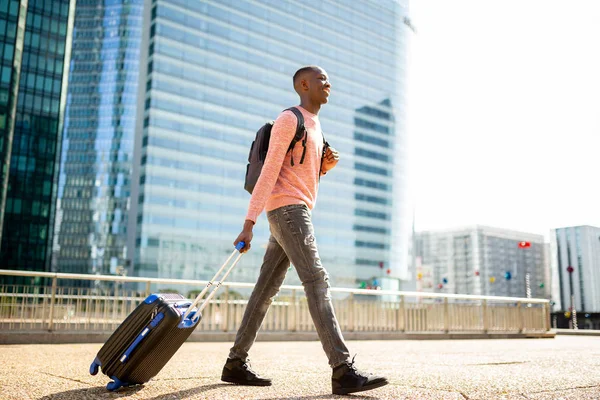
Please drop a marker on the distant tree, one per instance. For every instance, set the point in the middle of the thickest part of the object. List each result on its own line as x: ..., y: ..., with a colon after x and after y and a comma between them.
x: 168, y: 290
x: 233, y: 295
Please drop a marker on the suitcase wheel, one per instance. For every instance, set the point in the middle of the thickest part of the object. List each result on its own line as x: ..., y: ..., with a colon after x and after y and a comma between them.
x: 95, y: 365
x: 112, y: 386
x: 116, y: 384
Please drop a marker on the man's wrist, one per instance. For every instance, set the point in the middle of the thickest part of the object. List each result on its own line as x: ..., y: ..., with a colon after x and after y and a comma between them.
x: 248, y: 225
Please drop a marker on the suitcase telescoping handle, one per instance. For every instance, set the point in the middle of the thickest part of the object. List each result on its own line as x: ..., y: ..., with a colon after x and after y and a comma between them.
x: 239, y: 247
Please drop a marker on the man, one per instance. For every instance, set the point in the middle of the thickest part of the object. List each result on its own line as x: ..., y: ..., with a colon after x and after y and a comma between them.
x: 288, y: 192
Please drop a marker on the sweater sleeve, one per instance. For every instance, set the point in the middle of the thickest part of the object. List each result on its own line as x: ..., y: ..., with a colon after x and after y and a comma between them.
x: 282, y: 133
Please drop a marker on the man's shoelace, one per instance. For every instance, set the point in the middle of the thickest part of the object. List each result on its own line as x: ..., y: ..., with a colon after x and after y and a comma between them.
x: 248, y: 367
x: 353, y: 368
x: 351, y: 364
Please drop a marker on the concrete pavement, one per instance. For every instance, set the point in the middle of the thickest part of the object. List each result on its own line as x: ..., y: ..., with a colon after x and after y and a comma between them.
x: 567, y: 367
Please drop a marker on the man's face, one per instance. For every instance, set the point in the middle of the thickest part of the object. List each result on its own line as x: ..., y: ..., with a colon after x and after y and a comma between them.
x: 319, y: 86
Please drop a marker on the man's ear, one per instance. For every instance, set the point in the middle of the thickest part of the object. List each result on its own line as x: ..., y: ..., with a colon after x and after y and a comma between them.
x: 304, y: 84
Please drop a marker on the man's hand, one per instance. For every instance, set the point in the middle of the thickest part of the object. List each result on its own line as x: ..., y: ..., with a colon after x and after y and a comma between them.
x: 330, y: 160
x: 245, y: 236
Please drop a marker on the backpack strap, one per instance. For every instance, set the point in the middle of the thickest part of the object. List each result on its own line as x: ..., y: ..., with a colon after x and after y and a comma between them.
x: 325, y: 146
x: 300, y: 134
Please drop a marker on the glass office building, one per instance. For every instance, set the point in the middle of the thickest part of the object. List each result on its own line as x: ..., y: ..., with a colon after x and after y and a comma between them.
x: 575, y: 268
x: 36, y: 48
x: 215, y: 71
x: 96, y: 163
x: 484, y: 261
x: 11, y: 50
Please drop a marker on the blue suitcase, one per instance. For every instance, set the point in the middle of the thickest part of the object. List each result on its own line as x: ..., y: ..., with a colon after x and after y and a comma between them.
x: 148, y: 338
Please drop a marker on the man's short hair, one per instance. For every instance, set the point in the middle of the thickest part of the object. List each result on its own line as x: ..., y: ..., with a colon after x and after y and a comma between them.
x: 303, y: 70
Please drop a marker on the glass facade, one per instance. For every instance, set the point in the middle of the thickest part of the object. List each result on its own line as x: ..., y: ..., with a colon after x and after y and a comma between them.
x: 12, y: 22
x: 96, y: 163
x: 31, y: 184
x: 215, y: 72
x: 576, y: 247
x: 503, y: 256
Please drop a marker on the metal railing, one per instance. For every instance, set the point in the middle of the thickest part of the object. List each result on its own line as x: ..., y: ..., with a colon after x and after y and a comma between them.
x: 59, y: 306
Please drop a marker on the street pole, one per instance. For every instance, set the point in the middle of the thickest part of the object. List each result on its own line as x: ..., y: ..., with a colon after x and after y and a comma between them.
x: 528, y: 287
x: 573, y: 312
x: 522, y: 260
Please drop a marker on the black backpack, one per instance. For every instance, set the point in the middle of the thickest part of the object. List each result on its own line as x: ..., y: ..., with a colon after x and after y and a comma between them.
x: 260, y: 146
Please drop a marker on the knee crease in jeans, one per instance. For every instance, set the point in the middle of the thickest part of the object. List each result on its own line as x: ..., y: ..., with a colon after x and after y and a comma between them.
x: 309, y: 239
x: 327, y: 293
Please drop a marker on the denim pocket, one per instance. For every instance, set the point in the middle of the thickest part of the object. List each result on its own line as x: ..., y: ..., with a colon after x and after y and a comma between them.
x: 297, y: 219
x: 272, y: 217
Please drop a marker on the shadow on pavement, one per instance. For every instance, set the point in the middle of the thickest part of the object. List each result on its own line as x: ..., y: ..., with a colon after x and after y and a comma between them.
x: 326, y: 396
x: 98, y: 392
x: 182, y: 394
x: 199, y: 389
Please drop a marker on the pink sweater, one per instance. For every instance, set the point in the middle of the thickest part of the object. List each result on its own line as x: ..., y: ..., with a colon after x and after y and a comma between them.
x: 279, y: 183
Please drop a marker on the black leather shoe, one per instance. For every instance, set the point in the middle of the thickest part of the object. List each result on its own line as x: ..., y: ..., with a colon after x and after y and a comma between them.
x: 239, y: 371
x: 347, y: 379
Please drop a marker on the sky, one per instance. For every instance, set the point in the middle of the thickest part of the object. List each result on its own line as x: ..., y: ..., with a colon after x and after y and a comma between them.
x: 504, y: 113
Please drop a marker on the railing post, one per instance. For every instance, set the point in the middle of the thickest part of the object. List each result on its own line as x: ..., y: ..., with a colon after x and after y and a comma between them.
x: 52, y: 298
x: 115, y: 304
x: 485, y: 316
x: 521, y: 316
x: 293, y: 319
x: 400, y: 317
x: 148, y: 289
x: 446, y: 316
x: 351, y: 322
x: 225, y: 308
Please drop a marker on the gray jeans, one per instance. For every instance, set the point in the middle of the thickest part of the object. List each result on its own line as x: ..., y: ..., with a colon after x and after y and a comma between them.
x: 292, y: 239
